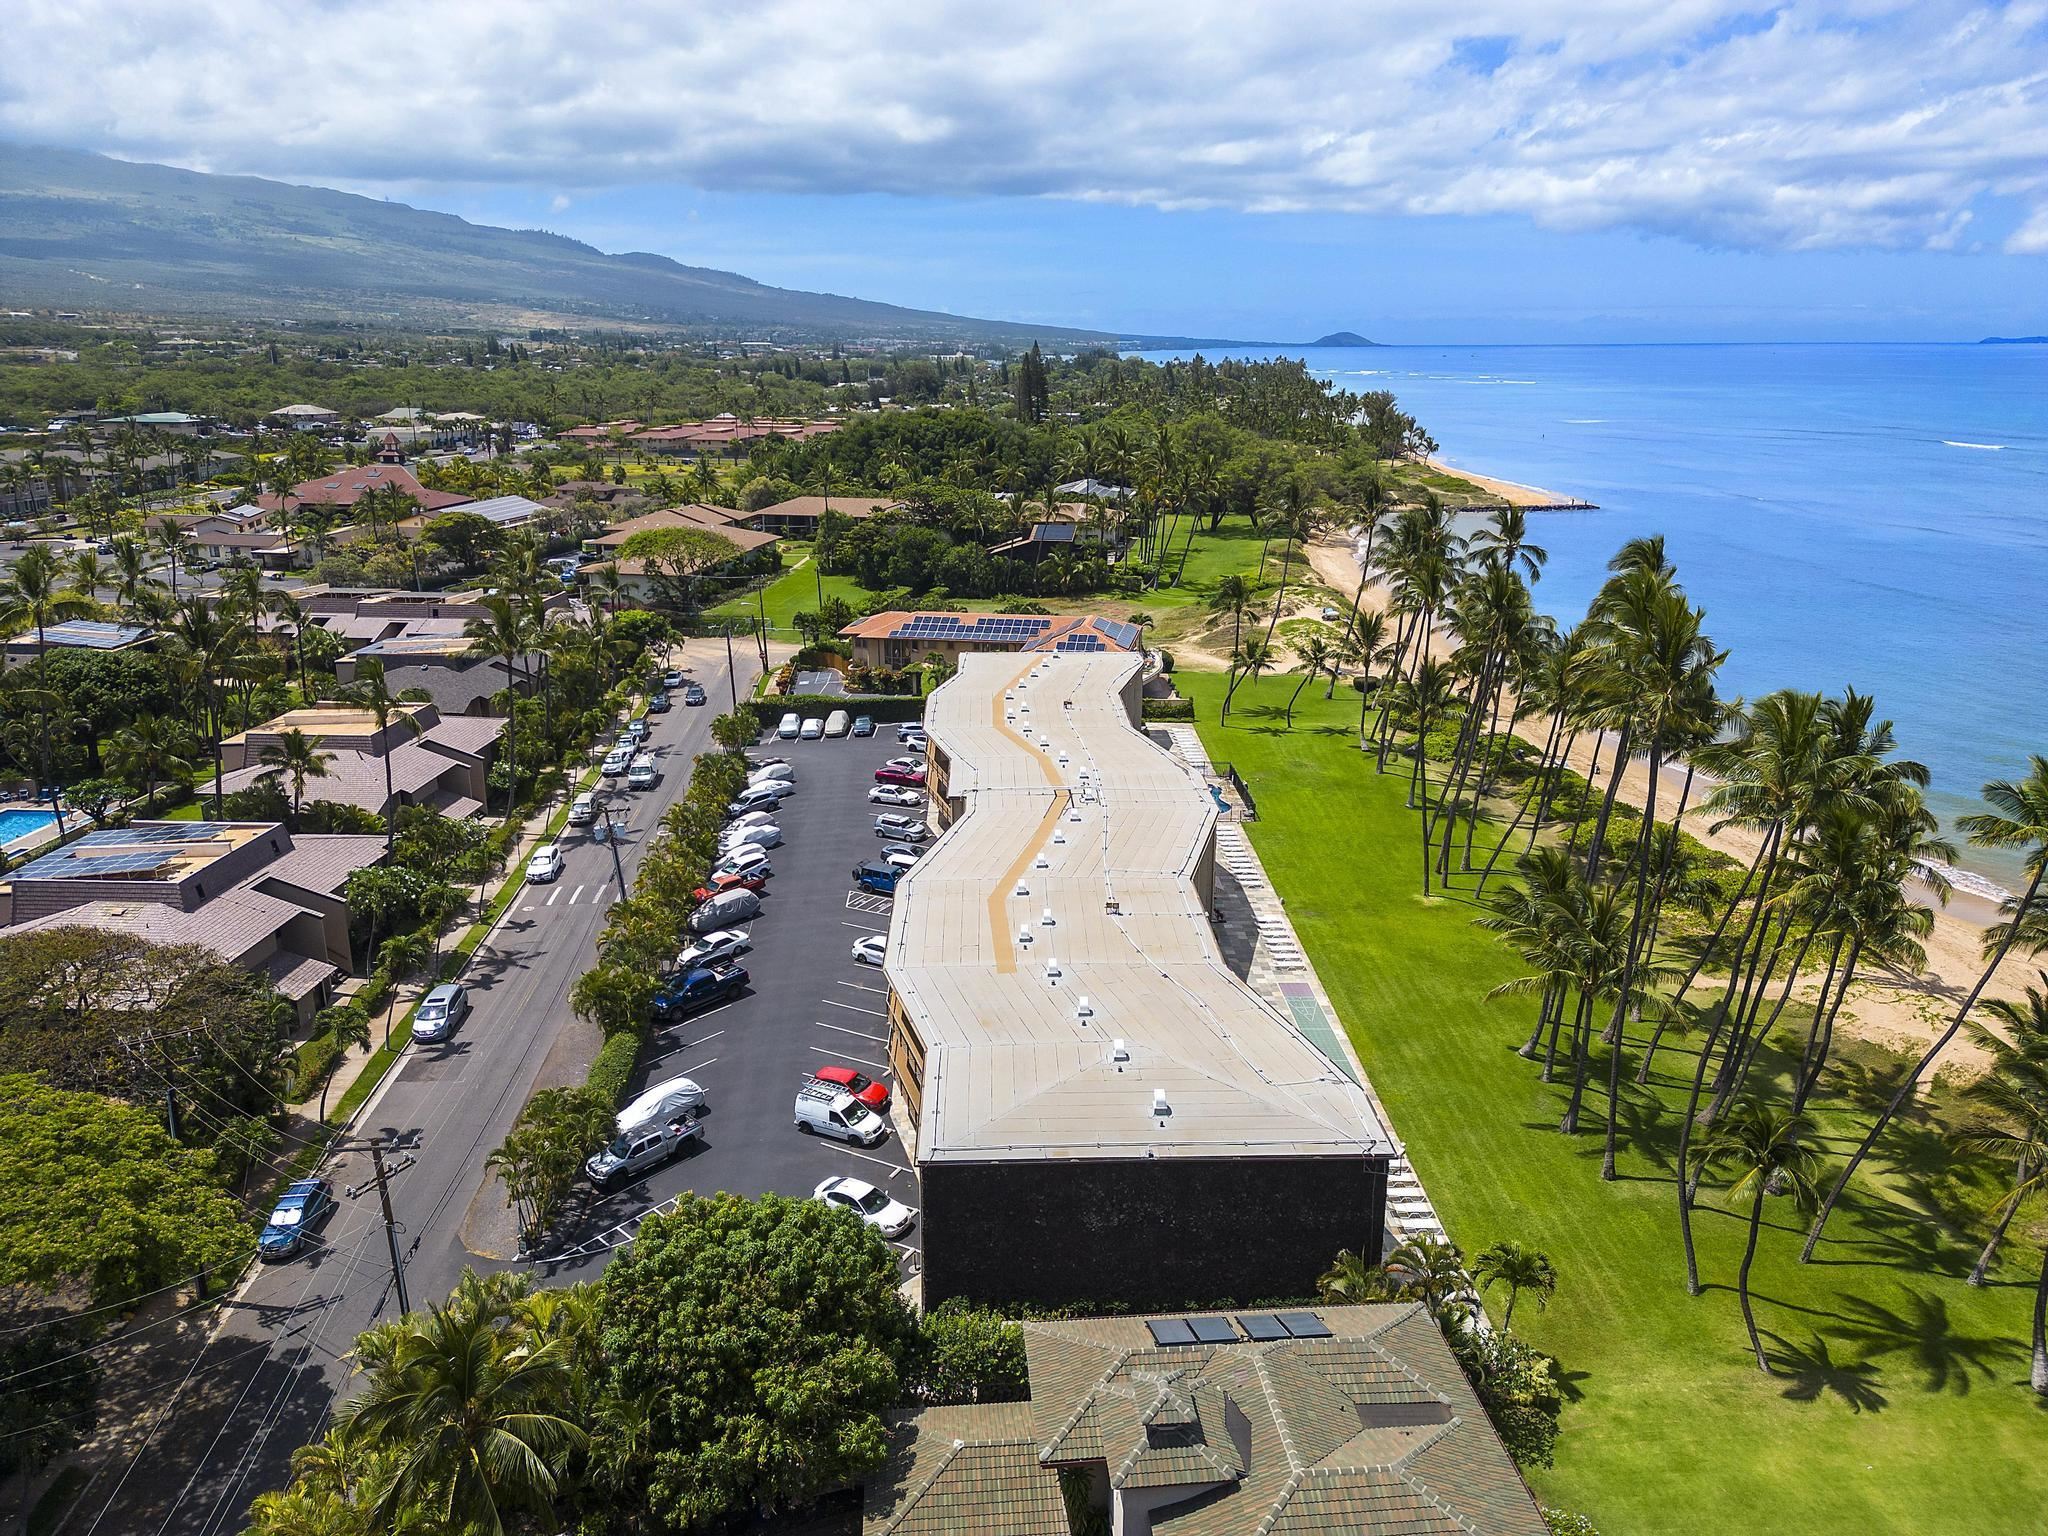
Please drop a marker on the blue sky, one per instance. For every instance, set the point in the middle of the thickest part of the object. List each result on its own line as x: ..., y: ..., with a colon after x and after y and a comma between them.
x: 1499, y: 170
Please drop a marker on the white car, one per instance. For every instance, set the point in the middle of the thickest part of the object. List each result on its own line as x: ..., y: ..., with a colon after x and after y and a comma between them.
x: 742, y: 856
x: 769, y: 773
x: 907, y: 764
x: 642, y: 772
x: 726, y: 944
x: 545, y: 865
x: 899, y: 856
x: 583, y: 810
x: 872, y: 950
x: 889, y: 1217
x: 909, y: 828
x: 761, y: 834
x: 616, y: 761
x: 791, y: 724
x: 749, y: 819
x: 894, y: 794
x: 909, y: 728
x: 814, y: 728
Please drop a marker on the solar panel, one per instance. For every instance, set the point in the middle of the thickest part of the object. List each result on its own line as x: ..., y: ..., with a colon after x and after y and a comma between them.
x: 1213, y: 1330
x: 1260, y: 1327
x: 1170, y: 1330
x: 1304, y: 1325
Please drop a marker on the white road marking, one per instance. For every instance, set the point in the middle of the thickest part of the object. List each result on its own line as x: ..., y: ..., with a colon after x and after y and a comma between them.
x: 687, y: 1071
x: 843, y: 1056
x: 598, y: 894
x: 705, y: 1041
x: 896, y: 1169
x: 833, y: 1002
x: 863, y: 987
x: 863, y: 927
x: 857, y: 1034
x: 577, y: 897
x: 554, y: 896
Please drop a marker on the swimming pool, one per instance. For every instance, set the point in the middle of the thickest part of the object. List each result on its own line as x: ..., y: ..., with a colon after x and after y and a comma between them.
x: 19, y: 824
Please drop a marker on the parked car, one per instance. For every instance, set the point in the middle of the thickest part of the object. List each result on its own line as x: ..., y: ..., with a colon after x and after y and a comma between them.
x: 863, y: 725
x: 700, y: 987
x: 813, y: 728
x: 615, y: 761
x: 767, y: 771
x: 735, y: 880
x: 545, y: 865
x: 636, y: 729
x: 725, y: 910
x: 664, y: 1101
x: 894, y: 794
x: 887, y: 1216
x: 743, y: 856
x: 440, y: 1011
x: 749, y: 819
x: 760, y: 834
x: 836, y: 723
x: 726, y: 944
x: 672, y: 678
x: 301, y: 1208
x: 871, y: 949
x: 641, y: 1150
x: 761, y: 797
x: 642, y: 772
x: 899, y: 855
x: 909, y: 828
x: 659, y: 704
x: 907, y: 764
x: 871, y: 1093
x: 693, y: 695
x: 758, y: 760
x: 877, y: 876
x: 909, y: 728
x: 890, y: 774
x: 824, y: 1110
x: 583, y: 810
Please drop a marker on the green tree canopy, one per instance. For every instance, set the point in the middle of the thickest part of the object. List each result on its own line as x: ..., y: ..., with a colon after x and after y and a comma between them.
x: 770, y: 1330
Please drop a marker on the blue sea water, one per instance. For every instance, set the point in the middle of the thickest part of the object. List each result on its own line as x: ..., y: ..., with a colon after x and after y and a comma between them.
x: 1874, y: 516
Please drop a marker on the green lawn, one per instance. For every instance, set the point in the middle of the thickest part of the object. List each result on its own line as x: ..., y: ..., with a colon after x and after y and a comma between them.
x: 792, y: 592
x: 1906, y: 1407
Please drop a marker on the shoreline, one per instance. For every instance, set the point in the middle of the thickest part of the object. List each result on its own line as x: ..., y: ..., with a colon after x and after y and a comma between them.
x: 1513, y: 492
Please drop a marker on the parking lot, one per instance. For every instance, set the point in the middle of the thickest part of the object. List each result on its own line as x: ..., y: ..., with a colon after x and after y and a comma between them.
x: 809, y: 1004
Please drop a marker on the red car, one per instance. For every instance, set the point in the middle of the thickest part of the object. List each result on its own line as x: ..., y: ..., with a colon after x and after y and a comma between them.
x: 729, y: 881
x: 871, y: 1093
x: 899, y: 776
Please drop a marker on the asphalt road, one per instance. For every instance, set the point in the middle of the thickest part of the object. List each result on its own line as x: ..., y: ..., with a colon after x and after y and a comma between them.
x: 809, y: 1003
x: 269, y: 1377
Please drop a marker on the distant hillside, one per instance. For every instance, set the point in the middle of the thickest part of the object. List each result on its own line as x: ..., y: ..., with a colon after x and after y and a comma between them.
x: 2012, y: 341
x: 1342, y: 339
x: 83, y: 231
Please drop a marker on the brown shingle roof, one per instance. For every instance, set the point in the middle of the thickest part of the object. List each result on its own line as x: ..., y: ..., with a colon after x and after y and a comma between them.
x: 953, y: 1471
x: 323, y: 861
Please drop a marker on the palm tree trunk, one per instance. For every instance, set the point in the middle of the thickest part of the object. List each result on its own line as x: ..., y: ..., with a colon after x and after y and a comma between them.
x: 1827, y: 1030
x: 1912, y: 1081
x: 1528, y: 802
x: 1983, y: 1265
x: 2039, y: 1377
x: 1712, y: 943
x: 1756, y: 1217
x: 1580, y: 1022
x: 1621, y: 755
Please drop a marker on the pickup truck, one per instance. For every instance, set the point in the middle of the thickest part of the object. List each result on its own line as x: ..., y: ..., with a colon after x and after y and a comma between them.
x: 698, y: 988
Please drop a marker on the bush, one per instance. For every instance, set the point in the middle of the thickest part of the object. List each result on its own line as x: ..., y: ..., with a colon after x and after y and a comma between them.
x: 1165, y: 661
x: 313, y: 1061
x: 1168, y: 709
x: 769, y: 711
x: 966, y: 1354
x: 612, y: 1071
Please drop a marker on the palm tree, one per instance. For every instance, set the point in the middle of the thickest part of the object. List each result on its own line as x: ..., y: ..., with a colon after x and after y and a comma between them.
x: 174, y: 543
x: 403, y: 956
x: 1233, y: 595
x: 2012, y: 1099
x: 88, y: 575
x: 472, y: 1410
x: 371, y: 692
x: 1351, y: 1282
x: 1431, y: 1270
x: 1246, y: 663
x: 2018, y: 819
x: 1311, y: 658
x: 501, y: 631
x: 1296, y: 521
x: 131, y: 570
x: 31, y: 598
x: 1519, y: 1268
x: 1764, y: 1150
x: 296, y: 757
x: 148, y: 751
x: 2025, y: 1041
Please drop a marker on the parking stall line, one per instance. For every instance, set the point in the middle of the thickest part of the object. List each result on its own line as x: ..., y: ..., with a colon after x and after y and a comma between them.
x: 863, y: 927
x: 896, y: 1170
x: 833, y: 1002
x: 858, y: 1034
x: 700, y: 1066
x: 863, y: 987
x: 844, y: 1056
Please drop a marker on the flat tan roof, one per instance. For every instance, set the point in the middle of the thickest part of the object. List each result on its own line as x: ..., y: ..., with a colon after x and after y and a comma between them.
x: 1068, y: 806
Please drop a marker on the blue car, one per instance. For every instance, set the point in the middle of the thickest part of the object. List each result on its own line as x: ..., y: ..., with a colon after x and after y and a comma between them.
x: 302, y: 1208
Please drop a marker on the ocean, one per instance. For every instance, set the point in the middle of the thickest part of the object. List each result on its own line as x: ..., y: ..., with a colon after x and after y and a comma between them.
x: 1871, y: 516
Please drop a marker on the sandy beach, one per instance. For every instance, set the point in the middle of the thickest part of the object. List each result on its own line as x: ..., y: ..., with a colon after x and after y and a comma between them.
x: 1901, y: 1012
x: 1509, y: 491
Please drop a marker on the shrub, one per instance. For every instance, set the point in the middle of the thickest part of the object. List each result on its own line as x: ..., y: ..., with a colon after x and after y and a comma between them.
x: 612, y: 1071
x: 1168, y: 709
x: 966, y: 1354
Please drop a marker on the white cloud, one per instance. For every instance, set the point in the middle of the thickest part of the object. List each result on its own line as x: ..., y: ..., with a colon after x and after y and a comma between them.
x: 1824, y: 124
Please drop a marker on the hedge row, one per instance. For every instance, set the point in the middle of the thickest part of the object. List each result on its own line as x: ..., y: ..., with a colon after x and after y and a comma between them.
x: 1169, y: 709
x: 885, y: 708
x: 612, y: 1072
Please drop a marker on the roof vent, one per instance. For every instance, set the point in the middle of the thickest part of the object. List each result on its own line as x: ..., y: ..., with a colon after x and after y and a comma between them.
x: 1052, y: 966
x: 1023, y: 935
x: 1074, y: 815
x: 1046, y: 919
x: 1059, y: 837
x: 1084, y: 1009
x: 1040, y: 862
x: 1118, y: 1051
x: 1159, y: 1104
x: 1023, y: 888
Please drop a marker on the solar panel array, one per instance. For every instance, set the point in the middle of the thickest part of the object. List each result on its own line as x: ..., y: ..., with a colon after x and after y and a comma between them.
x: 946, y: 626
x: 93, y: 634
x: 1125, y: 635
x: 116, y: 851
x: 1259, y: 1328
x: 1081, y: 642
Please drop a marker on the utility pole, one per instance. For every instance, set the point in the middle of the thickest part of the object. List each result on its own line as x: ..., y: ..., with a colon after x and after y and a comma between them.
x: 137, y: 1049
x: 611, y: 836
x: 732, y: 677
x: 381, y: 1182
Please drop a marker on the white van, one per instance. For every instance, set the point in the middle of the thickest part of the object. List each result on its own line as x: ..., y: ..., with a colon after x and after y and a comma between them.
x: 642, y: 772
x: 837, y: 723
x: 791, y: 724
x: 583, y: 810
x: 826, y: 1109
x: 769, y: 771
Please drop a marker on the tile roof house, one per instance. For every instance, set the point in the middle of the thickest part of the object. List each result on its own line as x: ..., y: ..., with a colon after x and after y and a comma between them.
x: 343, y: 488
x: 251, y: 892
x: 637, y: 580
x: 81, y: 635
x: 1352, y: 1420
x: 799, y: 516
x: 898, y: 639
x: 433, y: 761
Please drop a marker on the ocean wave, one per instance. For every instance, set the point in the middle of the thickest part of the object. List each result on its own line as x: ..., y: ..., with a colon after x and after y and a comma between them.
x: 1949, y: 442
x: 1970, y: 883
x: 1584, y: 421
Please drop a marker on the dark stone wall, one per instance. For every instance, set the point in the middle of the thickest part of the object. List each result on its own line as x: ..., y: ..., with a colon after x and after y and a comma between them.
x: 1156, y: 1234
